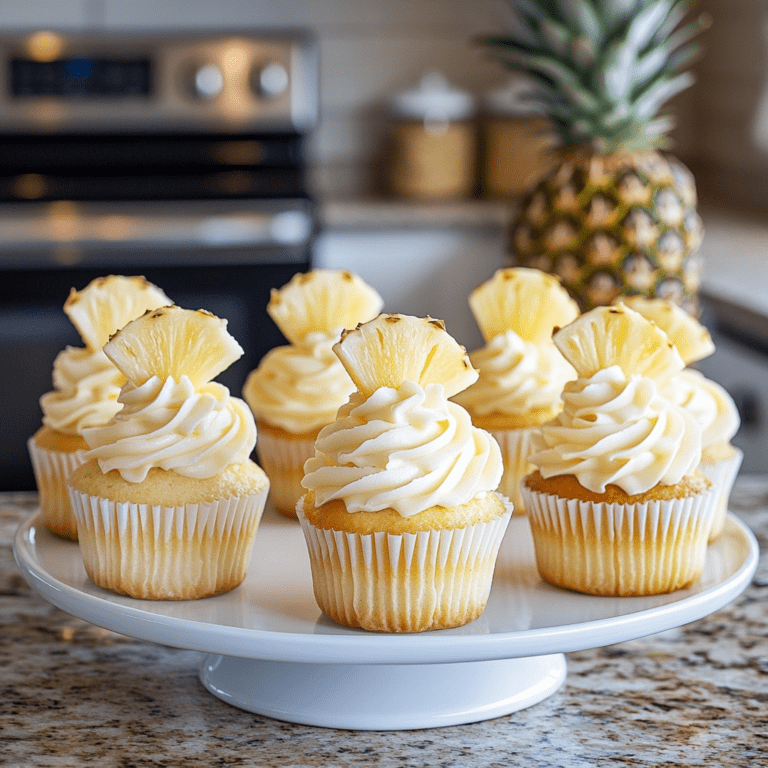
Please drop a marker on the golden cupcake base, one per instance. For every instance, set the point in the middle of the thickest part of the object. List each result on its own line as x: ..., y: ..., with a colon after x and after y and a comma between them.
x: 167, y: 553
x: 404, y: 582
x: 52, y: 468
x: 620, y: 549
x: 282, y: 456
x: 515, y: 447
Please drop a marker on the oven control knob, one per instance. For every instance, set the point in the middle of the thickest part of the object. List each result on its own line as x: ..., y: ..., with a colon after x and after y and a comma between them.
x: 207, y: 81
x: 269, y: 81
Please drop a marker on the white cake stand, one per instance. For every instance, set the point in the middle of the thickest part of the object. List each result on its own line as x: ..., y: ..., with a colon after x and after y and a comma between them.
x: 271, y: 651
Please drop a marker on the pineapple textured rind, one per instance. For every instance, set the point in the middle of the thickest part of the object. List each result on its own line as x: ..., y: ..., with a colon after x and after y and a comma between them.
x: 322, y: 301
x: 394, y: 348
x: 173, y: 342
x: 108, y: 303
x: 607, y: 336
x: 692, y: 339
x: 527, y: 301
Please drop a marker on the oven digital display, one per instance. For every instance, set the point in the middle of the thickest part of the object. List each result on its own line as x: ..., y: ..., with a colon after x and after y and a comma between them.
x: 81, y: 77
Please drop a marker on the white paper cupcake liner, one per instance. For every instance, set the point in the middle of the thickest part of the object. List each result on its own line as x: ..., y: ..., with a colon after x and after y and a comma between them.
x: 722, y: 475
x: 515, y: 447
x: 282, y: 459
x: 620, y: 549
x: 52, y: 469
x: 167, y: 553
x: 408, y: 582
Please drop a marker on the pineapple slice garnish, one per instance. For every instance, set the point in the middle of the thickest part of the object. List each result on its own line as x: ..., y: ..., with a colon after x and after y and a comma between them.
x: 173, y: 342
x: 607, y: 336
x: 691, y: 338
x: 527, y: 301
x: 324, y: 301
x: 392, y: 348
x: 106, y: 304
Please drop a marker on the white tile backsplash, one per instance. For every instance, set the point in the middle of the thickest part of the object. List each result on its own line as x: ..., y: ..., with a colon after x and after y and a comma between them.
x: 481, y: 16
x: 204, y: 14
x: 346, y: 17
x: 387, y: 16
x: 735, y: 45
x: 339, y: 136
x: 357, y: 71
x: 67, y: 15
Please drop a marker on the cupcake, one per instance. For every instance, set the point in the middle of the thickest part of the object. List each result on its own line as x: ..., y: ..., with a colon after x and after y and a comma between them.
x: 704, y: 399
x: 297, y: 389
x: 521, y: 372
x: 168, y: 501
x: 86, y: 385
x: 616, y: 505
x: 401, y: 519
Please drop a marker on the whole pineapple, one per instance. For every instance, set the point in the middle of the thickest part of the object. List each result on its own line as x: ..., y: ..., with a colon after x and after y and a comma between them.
x: 616, y: 217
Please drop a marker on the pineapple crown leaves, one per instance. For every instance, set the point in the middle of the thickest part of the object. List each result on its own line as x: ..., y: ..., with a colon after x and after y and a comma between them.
x: 603, y: 68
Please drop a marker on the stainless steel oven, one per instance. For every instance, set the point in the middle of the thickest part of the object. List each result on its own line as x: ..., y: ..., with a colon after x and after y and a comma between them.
x: 178, y: 157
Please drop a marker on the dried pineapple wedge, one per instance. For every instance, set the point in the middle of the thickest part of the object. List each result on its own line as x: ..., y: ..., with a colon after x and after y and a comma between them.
x: 392, y: 348
x: 171, y: 341
x: 106, y: 304
x: 607, y: 336
x: 691, y: 338
x: 527, y: 301
x: 323, y: 300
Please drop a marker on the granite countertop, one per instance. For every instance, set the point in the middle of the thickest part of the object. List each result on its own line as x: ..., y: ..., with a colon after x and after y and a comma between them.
x: 74, y: 694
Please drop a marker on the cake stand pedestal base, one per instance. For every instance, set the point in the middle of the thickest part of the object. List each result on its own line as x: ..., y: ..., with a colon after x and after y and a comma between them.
x: 383, y: 697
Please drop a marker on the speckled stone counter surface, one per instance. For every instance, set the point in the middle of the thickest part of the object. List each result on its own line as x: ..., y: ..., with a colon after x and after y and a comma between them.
x: 73, y: 694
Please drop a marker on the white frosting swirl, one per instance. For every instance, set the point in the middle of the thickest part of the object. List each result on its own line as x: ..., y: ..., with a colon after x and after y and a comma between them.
x: 516, y: 377
x: 167, y: 424
x: 299, y: 387
x: 86, y: 388
x: 707, y: 402
x: 407, y: 449
x: 618, y: 430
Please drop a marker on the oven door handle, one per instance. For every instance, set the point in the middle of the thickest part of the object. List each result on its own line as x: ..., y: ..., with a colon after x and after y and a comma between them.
x: 68, y: 235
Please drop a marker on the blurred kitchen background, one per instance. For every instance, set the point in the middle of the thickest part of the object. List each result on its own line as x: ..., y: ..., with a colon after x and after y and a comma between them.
x: 423, y: 256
